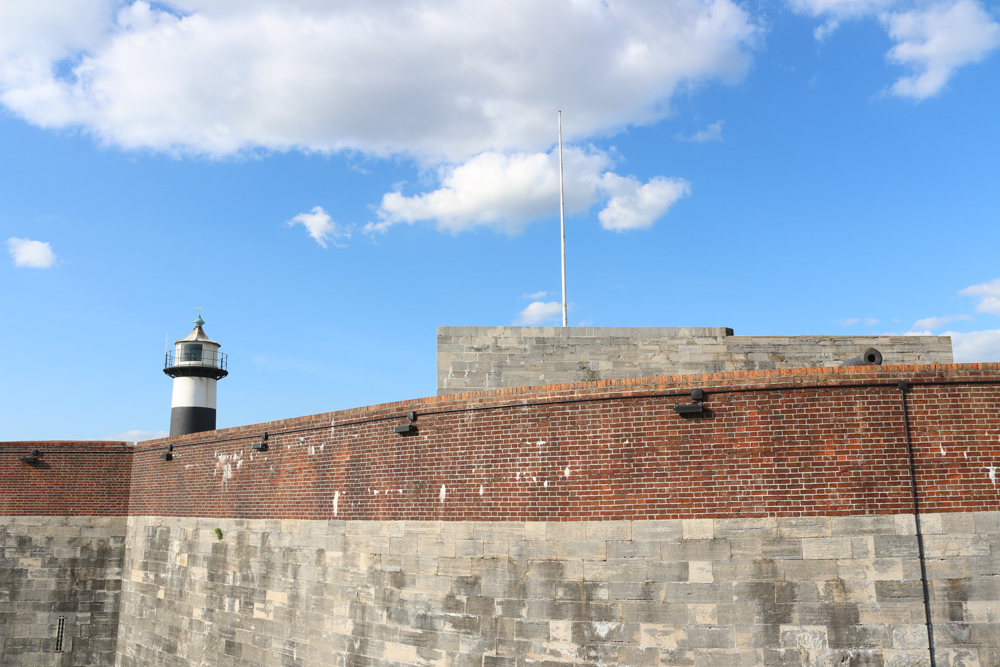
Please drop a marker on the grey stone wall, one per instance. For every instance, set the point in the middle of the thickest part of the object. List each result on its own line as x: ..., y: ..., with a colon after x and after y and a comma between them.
x: 479, y: 358
x: 53, y: 567
x: 824, y: 591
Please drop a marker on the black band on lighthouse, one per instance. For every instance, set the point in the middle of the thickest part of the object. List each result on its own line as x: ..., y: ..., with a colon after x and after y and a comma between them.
x: 189, y: 419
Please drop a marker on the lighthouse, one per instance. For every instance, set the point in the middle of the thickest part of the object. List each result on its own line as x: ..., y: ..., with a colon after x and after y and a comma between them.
x: 196, y: 365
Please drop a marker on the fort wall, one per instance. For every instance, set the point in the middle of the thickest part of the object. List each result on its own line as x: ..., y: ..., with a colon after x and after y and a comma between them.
x: 819, y: 590
x: 479, y: 358
x: 580, y: 524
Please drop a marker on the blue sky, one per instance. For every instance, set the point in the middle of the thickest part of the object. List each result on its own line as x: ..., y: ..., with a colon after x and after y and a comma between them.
x: 331, y: 181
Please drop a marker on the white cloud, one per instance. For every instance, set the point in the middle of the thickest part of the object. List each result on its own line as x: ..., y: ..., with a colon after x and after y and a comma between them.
x: 711, y: 133
x: 137, y: 436
x: 500, y: 191
x: 540, y: 312
x: 870, y: 321
x: 848, y: 321
x: 931, y: 323
x: 837, y: 11
x: 975, y: 346
x: 841, y: 9
x: 637, y: 206
x: 433, y: 80
x: 935, y: 41
x: 505, y: 192
x: 31, y: 254
x: 321, y: 227
x: 989, y: 293
x: 932, y: 38
x: 536, y: 296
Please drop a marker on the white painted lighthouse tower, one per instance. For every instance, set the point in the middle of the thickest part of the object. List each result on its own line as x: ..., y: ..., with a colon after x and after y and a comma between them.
x: 196, y: 365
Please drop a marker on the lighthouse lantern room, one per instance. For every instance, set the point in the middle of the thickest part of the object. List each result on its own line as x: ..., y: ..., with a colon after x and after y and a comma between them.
x: 196, y: 365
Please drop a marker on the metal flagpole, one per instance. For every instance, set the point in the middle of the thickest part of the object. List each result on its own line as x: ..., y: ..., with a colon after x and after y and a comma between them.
x: 562, y: 226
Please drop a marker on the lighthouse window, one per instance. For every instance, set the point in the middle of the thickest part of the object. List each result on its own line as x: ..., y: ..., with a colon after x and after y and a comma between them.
x: 192, y: 353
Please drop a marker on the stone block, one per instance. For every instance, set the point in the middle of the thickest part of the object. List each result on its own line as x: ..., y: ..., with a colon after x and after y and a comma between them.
x: 762, y: 528
x: 895, y: 546
x: 608, y: 530
x: 698, y: 592
x: 688, y: 550
x: 906, y: 658
x: 757, y: 636
x: 810, y: 570
x: 957, y: 657
x: 699, y: 636
x: 658, y: 635
x: 698, y: 529
x: 945, y: 546
x: 756, y: 569
x: 615, y: 571
x: 646, y: 531
x: 986, y: 522
x: 617, y: 549
x: 826, y: 547
x: 584, y: 549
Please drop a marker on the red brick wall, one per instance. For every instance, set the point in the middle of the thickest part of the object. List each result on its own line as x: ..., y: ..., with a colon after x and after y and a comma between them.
x: 790, y: 442
x: 773, y: 444
x: 70, y: 479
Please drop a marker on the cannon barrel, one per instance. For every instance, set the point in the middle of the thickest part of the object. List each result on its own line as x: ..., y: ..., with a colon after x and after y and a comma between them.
x: 870, y: 357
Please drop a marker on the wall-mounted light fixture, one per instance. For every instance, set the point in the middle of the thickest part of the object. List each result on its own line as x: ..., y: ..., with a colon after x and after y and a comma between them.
x: 696, y: 408
x: 410, y: 427
x: 168, y: 455
x: 32, y: 458
x: 262, y: 445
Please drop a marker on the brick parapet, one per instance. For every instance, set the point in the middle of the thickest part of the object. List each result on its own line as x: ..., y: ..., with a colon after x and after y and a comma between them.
x: 787, y: 442
x: 69, y: 479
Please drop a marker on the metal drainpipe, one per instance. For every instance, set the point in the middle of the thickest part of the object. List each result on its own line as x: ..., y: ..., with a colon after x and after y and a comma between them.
x: 916, y: 520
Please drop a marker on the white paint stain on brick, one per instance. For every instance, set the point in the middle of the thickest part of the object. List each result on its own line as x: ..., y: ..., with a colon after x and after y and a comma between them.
x: 224, y: 465
x: 443, y: 493
x: 336, y: 501
x: 480, y: 489
x: 566, y: 473
x: 992, y: 470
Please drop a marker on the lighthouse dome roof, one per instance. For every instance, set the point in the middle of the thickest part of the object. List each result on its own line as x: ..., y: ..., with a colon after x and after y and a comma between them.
x: 197, y: 335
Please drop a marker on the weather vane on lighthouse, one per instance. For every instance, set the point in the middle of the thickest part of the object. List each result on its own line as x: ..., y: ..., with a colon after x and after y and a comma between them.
x: 196, y: 365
